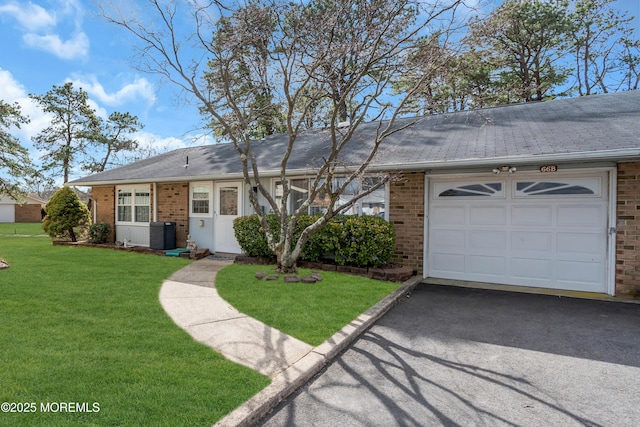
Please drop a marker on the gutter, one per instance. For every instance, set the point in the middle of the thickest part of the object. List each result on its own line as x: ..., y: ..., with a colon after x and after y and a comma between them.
x: 610, y: 155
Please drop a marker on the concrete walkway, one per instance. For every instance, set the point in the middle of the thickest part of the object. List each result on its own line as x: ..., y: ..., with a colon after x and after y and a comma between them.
x: 190, y: 298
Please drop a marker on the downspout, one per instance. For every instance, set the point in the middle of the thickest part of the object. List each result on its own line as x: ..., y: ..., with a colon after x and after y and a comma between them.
x: 155, y: 202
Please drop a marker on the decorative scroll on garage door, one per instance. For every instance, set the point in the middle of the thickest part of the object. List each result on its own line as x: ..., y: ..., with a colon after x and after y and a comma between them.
x: 525, y: 230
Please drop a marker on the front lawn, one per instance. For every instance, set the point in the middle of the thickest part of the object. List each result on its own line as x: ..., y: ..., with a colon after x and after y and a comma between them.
x: 85, y: 325
x: 310, y: 312
x: 22, y: 228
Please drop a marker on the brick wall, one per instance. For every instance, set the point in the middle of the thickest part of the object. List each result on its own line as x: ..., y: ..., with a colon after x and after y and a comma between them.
x: 105, y: 200
x: 173, y: 205
x: 406, y: 213
x: 628, y: 225
x: 28, y: 213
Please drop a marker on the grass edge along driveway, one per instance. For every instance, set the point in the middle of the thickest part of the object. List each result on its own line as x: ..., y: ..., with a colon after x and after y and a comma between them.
x: 85, y: 325
x: 309, y: 312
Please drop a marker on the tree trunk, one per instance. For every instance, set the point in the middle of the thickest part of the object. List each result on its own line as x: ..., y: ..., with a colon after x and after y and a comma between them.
x: 72, y: 234
x: 287, y: 262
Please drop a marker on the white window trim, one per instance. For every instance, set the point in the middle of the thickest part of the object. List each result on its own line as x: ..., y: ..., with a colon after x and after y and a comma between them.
x: 207, y: 184
x: 133, y: 189
x: 590, y: 183
x: 357, y: 206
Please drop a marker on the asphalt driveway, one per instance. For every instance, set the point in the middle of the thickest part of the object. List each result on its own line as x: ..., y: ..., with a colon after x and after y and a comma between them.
x: 454, y: 356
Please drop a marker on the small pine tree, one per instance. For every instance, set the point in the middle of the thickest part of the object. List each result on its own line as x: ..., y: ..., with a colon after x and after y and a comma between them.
x: 64, y: 212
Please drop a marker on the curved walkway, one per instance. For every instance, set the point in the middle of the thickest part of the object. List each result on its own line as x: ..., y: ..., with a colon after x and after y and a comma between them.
x: 190, y: 298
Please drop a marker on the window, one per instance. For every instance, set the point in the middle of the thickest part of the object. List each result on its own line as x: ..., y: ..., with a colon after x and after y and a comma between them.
x: 549, y: 188
x: 133, y: 205
x: 373, y: 204
x: 471, y: 190
x: 229, y: 201
x: 201, y: 200
x: 142, y: 206
x: 125, y: 203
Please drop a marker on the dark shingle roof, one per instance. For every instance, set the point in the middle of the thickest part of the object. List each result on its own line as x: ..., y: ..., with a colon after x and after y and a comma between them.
x: 594, y: 127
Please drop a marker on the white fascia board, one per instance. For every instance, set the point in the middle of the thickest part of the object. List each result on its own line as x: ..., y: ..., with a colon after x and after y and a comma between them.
x: 610, y: 155
x: 618, y: 155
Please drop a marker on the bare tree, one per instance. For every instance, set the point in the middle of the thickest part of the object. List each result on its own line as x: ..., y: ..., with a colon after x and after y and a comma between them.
x: 343, y: 53
x: 603, y: 42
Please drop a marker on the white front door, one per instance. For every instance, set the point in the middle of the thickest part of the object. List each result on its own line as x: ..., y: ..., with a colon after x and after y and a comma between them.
x: 228, y: 206
x: 524, y: 229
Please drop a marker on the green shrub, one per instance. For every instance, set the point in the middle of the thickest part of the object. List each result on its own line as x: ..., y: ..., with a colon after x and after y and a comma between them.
x: 365, y: 241
x: 320, y: 243
x: 65, y: 212
x: 360, y: 241
x: 99, y: 233
x: 251, y: 237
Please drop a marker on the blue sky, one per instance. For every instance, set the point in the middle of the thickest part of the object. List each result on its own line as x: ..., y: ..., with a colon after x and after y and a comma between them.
x: 50, y: 42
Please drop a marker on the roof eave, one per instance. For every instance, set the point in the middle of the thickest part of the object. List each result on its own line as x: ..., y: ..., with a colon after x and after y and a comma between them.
x: 607, y: 155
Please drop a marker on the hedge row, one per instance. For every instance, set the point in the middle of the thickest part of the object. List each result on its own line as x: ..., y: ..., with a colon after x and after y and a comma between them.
x: 365, y: 241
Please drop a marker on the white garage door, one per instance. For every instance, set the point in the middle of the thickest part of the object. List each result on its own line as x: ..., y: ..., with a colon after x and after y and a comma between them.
x: 7, y: 213
x: 525, y: 230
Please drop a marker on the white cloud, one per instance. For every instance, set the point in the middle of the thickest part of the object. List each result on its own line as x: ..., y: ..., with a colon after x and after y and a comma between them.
x: 75, y: 47
x: 10, y: 89
x: 13, y: 91
x: 139, y: 89
x: 31, y: 16
x: 41, y: 27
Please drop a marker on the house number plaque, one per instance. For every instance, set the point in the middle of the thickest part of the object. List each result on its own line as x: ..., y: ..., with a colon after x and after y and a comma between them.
x: 549, y: 168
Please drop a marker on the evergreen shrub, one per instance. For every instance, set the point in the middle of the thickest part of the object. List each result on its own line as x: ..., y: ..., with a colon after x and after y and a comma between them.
x: 359, y: 241
x: 99, y: 233
x: 65, y: 212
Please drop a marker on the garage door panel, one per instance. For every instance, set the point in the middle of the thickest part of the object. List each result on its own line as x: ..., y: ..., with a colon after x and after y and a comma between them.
x: 579, y: 272
x: 484, y: 241
x: 538, y: 216
x: 581, y: 243
x: 449, y: 215
x: 7, y: 213
x: 531, y: 242
x: 449, y: 263
x: 549, y: 233
x: 487, y: 215
x: 488, y: 266
x: 532, y: 269
x: 581, y: 216
x: 449, y: 239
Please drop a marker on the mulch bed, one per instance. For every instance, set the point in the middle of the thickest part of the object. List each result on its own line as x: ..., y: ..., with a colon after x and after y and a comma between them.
x: 391, y: 272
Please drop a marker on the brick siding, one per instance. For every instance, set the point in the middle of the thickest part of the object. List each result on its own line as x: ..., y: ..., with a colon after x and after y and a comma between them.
x: 105, y: 201
x: 173, y: 205
x: 628, y: 225
x: 406, y: 213
x: 28, y: 213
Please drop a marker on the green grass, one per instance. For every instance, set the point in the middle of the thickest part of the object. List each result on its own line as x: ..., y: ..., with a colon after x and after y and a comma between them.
x: 310, y: 312
x: 24, y: 228
x: 85, y: 325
